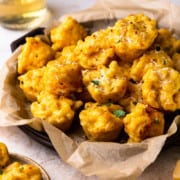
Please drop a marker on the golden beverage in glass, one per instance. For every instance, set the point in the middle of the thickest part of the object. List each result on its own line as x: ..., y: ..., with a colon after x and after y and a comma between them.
x: 22, y: 14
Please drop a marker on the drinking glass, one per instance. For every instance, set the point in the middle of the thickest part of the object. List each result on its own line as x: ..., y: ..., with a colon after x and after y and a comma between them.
x: 23, y: 14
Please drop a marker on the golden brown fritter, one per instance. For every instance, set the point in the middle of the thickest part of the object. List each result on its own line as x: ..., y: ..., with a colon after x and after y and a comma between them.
x: 143, y: 122
x: 58, y: 111
x: 101, y: 122
x: 69, y: 32
x: 106, y: 84
x: 35, y: 54
x: 150, y: 59
x: 161, y: 88
x: 31, y: 83
x: 133, y: 35
x: 62, y: 79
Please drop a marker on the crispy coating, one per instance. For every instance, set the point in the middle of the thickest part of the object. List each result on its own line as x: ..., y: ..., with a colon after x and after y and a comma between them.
x: 106, y: 84
x: 166, y: 41
x: 95, y: 50
x: 161, y: 88
x: 31, y: 83
x: 69, y: 32
x: 17, y: 170
x: 58, y: 111
x: 100, y: 123
x: 143, y: 122
x: 132, y: 35
x: 68, y: 55
x: 132, y: 97
x: 62, y: 79
x: 149, y: 60
x: 35, y: 54
x: 4, y: 155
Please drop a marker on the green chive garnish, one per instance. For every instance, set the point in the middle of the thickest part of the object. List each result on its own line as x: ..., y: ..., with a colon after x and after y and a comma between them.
x: 119, y: 113
x: 96, y: 82
x: 156, y: 120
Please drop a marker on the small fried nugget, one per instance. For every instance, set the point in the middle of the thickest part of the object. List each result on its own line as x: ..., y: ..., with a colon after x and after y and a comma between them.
x: 17, y: 170
x: 69, y: 32
x: 31, y: 83
x: 176, y: 61
x: 95, y: 50
x: 149, y: 60
x: 133, y: 35
x: 102, y: 122
x: 132, y: 97
x: 68, y: 55
x: 58, y: 111
x: 35, y: 54
x: 106, y: 84
x: 161, y: 88
x: 62, y: 79
x: 4, y: 155
x: 143, y: 122
x: 166, y: 41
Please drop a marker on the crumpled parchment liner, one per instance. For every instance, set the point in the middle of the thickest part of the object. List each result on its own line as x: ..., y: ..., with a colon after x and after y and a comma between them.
x: 106, y: 160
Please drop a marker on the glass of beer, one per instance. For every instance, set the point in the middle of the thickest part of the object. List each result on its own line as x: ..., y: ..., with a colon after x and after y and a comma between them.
x: 23, y: 14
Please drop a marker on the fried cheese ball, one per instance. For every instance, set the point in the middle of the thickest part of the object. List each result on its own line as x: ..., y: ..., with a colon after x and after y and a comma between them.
x: 101, y: 122
x: 69, y: 32
x: 31, y: 83
x: 62, y: 79
x: 133, y: 35
x: 4, y: 155
x: 149, y: 60
x: 17, y: 170
x: 161, y: 88
x: 35, y: 54
x: 58, y: 111
x: 166, y: 41
x: 95, y: 50
x: 106, y: 84
x: 143, y: 122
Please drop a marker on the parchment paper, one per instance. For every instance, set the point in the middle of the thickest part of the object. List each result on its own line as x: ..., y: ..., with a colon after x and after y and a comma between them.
x: 106, y: 160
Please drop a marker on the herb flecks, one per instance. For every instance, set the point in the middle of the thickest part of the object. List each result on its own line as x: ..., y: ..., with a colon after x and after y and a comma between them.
x: 96, y: 82
x: 119, y: 113
x: 164, y: 62
x: 156, y: 120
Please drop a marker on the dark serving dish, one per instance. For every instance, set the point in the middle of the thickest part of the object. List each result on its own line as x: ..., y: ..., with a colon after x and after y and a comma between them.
x: 43, y: 138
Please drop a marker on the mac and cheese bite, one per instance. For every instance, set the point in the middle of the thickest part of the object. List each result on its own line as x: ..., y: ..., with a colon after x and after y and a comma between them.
x: 58, y: 111
x: 102, y: 122
x: 62, y: 79
x: 35, y: 54
x: 167, y: 42
x: 149, y: 60
x: 95, y: 50
x: 19, y: 171
x: 161, y: 88
x: 106, y: 84
x: 11, y: 169
x: 67, y: 33
x: 132, y: 36
x: 143, y: 122
x: 31, y: 83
